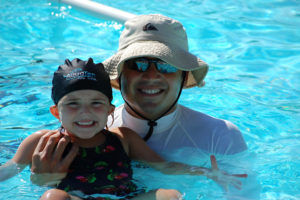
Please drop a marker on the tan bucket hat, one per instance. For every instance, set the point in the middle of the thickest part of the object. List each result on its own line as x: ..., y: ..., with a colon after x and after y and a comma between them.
x: 160, y: 37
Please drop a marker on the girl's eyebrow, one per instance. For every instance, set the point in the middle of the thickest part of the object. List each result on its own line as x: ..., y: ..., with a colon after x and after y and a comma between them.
x: 72, y: 98
x: 76, y: 98
x: 98, y: 98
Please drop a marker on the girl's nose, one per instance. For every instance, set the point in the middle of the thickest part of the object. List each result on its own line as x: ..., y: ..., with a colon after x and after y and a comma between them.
x: 85, y: 109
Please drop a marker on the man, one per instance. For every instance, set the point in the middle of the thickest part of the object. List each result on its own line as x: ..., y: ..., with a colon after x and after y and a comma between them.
x: 151, y: 68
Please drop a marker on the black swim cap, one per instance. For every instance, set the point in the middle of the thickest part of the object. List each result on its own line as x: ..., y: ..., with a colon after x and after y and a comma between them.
x: 80, y: 75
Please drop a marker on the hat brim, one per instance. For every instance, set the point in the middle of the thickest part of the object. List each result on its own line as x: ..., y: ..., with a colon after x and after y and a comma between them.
x: 176, y: 56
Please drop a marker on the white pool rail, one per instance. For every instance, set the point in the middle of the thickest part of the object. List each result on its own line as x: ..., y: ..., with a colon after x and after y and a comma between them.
x: 99, y: 10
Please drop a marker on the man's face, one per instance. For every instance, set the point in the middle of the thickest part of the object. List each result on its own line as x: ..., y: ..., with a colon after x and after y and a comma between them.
x: 150, y: 93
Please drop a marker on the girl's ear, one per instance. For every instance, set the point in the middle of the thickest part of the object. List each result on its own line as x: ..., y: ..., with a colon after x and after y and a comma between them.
x: 54, y: 111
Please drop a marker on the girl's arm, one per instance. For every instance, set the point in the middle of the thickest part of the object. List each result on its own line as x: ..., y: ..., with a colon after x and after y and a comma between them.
x: 10, y: 169
x: 22, y: 158
x: 138, y: 150
x: 222, y: 178
x: 135, y: 146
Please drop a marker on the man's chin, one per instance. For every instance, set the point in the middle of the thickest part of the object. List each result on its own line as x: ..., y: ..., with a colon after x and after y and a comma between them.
x: 151, y: 110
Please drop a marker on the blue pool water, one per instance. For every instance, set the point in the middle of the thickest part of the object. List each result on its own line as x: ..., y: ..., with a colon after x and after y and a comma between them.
x: 253, y: 48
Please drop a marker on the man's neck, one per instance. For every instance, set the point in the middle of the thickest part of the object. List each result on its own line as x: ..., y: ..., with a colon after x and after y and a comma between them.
x: 149, y: 116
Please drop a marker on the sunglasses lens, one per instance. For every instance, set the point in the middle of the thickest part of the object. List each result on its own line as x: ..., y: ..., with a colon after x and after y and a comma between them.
x: 165, y: 68
x: 142, y: 65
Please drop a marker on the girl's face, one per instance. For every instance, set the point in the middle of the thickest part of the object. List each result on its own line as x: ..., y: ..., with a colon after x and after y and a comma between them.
x: 83, y: 113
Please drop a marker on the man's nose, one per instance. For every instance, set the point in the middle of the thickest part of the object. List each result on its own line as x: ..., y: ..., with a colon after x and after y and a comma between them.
x: 151, y: 72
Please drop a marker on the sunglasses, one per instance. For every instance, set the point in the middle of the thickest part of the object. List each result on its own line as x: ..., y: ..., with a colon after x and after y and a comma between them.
x: 142, y: 65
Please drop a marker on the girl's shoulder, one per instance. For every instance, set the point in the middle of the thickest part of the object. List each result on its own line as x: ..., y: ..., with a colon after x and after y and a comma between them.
x: 28, y: 145
x: 36, y: 136
x: 124, y: 133
x: 127, y: 137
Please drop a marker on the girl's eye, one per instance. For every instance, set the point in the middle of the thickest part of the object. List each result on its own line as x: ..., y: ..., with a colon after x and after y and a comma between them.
x: 97, y: 103
x: 72, y: 104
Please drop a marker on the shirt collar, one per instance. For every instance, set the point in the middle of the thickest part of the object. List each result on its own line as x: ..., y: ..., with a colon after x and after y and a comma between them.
x: 141, y: 126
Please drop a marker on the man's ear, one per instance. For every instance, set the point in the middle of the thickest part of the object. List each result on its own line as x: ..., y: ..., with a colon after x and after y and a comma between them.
x: 111, y: 109
x: 185, y: 75
x: 54, y: 111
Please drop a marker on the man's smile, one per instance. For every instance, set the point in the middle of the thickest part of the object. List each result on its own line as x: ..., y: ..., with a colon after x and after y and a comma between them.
x: 150, y: 91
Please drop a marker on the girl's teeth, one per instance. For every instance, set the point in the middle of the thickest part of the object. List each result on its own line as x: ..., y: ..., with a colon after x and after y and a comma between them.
x: 85, y: 123
x: 151, y: 91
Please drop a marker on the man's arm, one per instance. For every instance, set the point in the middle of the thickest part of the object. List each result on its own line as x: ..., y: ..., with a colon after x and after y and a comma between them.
x: 230, y: 140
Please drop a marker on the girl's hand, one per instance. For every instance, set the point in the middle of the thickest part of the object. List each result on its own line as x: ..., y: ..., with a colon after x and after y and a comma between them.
x: 222, y: 178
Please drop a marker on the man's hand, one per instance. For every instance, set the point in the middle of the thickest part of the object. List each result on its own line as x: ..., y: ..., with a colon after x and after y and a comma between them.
x: 47, y: 179
x: 47, y: 156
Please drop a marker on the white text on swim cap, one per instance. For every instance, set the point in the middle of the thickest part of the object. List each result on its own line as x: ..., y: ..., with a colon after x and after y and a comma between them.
x: 80, y: 75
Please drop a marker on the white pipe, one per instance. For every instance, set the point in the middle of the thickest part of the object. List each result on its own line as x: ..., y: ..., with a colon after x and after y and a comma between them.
x: 99, y: 10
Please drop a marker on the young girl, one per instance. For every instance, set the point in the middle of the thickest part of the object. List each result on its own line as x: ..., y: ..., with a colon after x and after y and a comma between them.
x: 102, y: 165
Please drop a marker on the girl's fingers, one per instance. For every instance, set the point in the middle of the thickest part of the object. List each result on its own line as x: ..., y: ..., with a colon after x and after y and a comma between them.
x: 237, y: 184
x: 240, y: 175
x: 226, y: 179
x: 213, y: 162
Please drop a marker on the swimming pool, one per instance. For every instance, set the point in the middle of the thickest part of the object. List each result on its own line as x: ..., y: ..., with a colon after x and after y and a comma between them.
x: 253, y: 48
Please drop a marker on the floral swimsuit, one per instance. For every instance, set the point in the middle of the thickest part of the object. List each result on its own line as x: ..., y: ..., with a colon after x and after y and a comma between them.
x: 105, y: 169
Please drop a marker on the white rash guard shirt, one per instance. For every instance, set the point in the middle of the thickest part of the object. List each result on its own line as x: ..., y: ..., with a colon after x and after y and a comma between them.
x: 185, y: 128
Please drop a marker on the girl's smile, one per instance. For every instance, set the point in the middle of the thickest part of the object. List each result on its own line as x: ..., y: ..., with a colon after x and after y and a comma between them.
x: 83, y: 112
